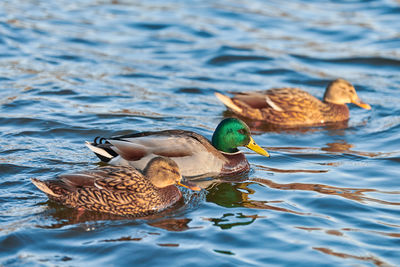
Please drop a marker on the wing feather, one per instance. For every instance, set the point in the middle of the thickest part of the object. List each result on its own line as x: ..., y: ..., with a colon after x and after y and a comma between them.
x: 280, y: 106
x: 135, y: 148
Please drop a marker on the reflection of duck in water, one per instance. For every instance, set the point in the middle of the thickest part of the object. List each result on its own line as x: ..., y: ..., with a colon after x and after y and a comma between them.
x: 194, y: 154
x: 292, y: 107
x: 356, y: 194
x: 259, y: 127
x: 62, y: 216
x: 339, y: 146
x: 228, y: 195
x: 238, y: 195
x: 119, y: 190
x: 343, y: 147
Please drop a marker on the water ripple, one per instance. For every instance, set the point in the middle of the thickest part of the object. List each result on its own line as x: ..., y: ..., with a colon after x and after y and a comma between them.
x: 223, y: 60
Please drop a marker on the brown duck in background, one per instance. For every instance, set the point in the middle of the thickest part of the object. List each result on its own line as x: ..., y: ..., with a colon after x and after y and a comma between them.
x: 292, y: 107
x: 119, y: 190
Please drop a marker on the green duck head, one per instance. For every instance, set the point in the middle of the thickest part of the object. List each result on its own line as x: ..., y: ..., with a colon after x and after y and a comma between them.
x: 232, y: 133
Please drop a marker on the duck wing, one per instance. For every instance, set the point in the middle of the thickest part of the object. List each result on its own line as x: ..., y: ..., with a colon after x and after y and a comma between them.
x: 280, y: 99
x: 65, y: 184
x: 169, y: 143
x: 122, y: 179
x: 71, y: 182
x: 172, y: 143
x: 280, y: 106
x: 124, y: 190
x: 109, y: 189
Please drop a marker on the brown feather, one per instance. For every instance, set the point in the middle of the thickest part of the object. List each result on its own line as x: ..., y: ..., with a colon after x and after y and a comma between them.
x: 118, y: 190
x: 293, y: 106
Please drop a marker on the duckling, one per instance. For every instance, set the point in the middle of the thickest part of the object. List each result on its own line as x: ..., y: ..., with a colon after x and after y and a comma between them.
x: 119, y: 190
x: 292, y: 107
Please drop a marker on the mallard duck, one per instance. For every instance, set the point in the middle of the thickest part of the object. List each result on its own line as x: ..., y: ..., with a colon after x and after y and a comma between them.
x: 119, y: 190
x: 294, y: 107
x: 194, y: 154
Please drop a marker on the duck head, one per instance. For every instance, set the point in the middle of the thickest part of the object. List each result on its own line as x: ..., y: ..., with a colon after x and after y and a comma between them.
x: 342, y: 92
x: 232, y: 133
x: 163, y: 172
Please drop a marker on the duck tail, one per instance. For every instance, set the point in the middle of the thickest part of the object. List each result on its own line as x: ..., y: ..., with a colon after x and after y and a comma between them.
x: 42, y: 186
x: 228, y: 102
x: 100, y: 152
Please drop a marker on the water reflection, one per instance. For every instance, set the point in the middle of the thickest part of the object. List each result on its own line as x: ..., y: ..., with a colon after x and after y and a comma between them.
x: 64, y: 216
x: 257, y: 126
x: 356, y: 194
x: 168, y: 244
x: 211, y: 182
x: 339, y: 146
x: 230, y: 220
x: 173, y: 225
x: 340, y: 233
x: 373, y: 259
x: 233, y: 195
x: 262, y: 167
x: 123, y: 239
x: 226, y: 252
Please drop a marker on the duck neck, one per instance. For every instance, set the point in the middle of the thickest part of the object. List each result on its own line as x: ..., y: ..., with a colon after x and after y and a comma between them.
x: 236, y: 164
x: 337, y: 112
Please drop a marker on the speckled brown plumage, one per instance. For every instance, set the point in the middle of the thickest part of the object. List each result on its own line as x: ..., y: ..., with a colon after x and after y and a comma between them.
x: 295, y: 107
x: 117, y: 190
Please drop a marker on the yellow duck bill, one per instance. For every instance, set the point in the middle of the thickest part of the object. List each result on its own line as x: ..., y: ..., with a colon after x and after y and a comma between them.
x: 256, y: 148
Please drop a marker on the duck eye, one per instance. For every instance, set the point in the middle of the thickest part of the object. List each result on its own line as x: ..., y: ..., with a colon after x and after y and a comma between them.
x: 351, y: 90
x: 242, y: 131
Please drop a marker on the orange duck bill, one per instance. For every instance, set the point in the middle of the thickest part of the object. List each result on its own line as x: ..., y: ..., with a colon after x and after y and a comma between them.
x: 189, y: 185
x: 361, y: 104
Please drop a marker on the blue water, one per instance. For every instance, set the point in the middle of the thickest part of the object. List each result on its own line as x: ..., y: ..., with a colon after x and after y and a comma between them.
x: 73, y: 70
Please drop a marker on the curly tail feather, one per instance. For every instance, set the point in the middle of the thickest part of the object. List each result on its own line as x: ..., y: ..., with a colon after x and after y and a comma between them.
x: 43, y: 187
x: 100, y: 152
x: 228, y: 102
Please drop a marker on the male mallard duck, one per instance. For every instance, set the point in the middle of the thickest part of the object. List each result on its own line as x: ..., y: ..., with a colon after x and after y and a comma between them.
x: 194, y: 154
x: 119, y: 190
x: 294, y: 107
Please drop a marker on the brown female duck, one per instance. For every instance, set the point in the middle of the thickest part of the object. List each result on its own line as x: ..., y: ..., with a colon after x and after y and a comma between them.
x: 119, y: 190
x: 293, y: 107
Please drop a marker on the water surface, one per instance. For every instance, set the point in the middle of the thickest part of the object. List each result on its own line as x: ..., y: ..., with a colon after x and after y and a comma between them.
x: 70, y: 71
